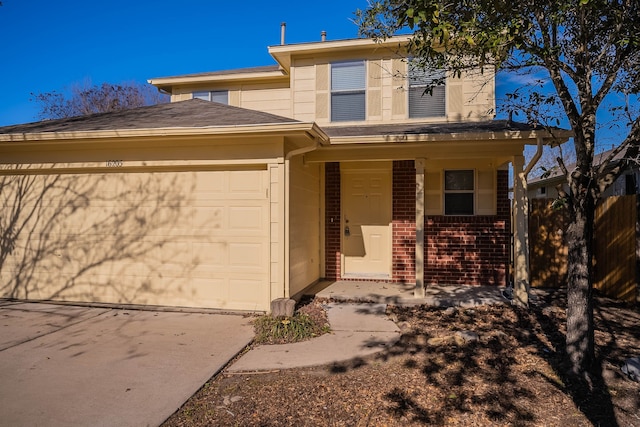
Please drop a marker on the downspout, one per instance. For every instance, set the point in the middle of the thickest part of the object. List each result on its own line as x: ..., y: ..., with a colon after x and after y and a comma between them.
x: 287, y: 201
x: 535, y: 157
x: 522, y: 285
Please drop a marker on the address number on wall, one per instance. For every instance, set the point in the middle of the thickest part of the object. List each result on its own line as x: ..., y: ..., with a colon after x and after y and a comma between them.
x: 115, y: 163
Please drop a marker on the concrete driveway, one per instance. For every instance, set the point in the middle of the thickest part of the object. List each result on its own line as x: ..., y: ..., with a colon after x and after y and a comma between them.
x: 64, y: 365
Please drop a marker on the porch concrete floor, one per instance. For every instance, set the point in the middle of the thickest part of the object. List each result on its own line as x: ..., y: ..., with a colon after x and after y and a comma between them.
x: 402, y: 294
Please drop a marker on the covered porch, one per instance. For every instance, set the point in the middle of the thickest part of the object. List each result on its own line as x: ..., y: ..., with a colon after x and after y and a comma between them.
x: 431, y: 246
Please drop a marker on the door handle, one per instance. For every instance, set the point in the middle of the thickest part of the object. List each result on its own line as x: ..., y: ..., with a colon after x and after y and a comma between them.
x: 347, y: 232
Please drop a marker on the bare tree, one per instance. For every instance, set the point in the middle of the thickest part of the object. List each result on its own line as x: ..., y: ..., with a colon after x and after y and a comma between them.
x: 84, y: 99
x: 588, y: 52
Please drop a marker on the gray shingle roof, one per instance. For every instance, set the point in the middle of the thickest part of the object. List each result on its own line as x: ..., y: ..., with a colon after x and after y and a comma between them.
x: 557, y: 173
x: 262, y: 69
x: 184, y: 114
x: 430, y: 128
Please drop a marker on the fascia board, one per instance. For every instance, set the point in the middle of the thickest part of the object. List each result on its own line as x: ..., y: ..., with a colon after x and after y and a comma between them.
x: 307, y: 129
x: 528, y: 137
x: 283, y: 53
x: 212, y: 78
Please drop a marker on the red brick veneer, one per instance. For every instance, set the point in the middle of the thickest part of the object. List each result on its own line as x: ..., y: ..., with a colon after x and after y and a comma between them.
x: 464, y: 250
x: 404, y: 221
x: 470, y: 250
x: 332, y: 221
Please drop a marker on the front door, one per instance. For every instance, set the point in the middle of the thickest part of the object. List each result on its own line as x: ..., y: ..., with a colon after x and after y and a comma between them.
x: 366, y: 220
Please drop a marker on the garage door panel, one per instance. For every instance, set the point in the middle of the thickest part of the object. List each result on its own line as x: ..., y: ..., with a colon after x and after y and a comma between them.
x: 214, y: 292
x: 240, y: 288
x: 230, y: 293
x: 247, y: 182
x: 246, y: 218
x: 247, y: 255
x: 175, y: 238
x: 231, y: 185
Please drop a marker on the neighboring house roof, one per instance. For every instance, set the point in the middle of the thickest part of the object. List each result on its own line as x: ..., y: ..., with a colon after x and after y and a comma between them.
x: 192, y: 113
x: 556, y: 173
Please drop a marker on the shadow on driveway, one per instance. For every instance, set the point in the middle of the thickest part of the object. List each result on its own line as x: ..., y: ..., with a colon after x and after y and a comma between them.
x: 66, y: 365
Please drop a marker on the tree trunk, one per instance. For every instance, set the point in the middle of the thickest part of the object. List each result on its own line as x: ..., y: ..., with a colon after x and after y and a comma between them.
x: 580, y: 334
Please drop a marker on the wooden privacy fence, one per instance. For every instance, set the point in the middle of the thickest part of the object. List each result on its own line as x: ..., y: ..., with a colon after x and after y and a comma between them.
x: 615, y: 246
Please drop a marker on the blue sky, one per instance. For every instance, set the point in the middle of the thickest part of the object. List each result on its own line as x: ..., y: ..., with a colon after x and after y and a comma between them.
x: 50, y: 45
x: 47, y: 46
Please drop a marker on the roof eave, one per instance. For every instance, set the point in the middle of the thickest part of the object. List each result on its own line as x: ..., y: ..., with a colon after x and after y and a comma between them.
x: 310, y: 129
x: 283, y: 53
x: 168, y: 82
x: 526, y: 137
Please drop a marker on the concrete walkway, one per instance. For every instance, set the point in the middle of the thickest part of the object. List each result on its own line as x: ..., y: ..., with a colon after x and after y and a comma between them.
x: 359, y: 325
x: 64, y: 365
x: 358, y: 330
x: 402, y: 294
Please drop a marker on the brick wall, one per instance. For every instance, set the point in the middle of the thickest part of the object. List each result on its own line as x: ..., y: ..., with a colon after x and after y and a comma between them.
x: 470, y: 250
x: 332, y: 220
x: 458, y: 250
x: 404, y: 221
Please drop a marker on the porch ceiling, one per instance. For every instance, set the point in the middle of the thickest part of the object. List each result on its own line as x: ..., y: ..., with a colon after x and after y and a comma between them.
x: 499, y: 140
x: 447, y: 131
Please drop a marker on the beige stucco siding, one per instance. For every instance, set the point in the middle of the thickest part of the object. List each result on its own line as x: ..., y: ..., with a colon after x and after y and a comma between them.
x: 274, y: 100
x: 304, y: 225
x: 303, y: 76
x: 135, y: 152
x: 399, y: 100
x: 177, y: 96
x: 307, y: 97
x: 386, y: 92
x: 478, y: 94
x: 197, y: 239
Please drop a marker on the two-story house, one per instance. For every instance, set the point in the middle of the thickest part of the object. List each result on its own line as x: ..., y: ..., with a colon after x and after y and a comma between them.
x: 254, y: 184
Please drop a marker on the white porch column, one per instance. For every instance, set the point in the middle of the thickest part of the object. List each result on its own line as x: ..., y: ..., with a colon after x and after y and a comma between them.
x: 419, y: 290
x: 520, y: 234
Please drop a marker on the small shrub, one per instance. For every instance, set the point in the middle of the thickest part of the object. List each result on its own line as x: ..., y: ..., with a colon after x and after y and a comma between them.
x: 303, y: 325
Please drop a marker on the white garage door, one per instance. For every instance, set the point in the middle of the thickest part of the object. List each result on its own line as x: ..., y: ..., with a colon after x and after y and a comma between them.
x: 196, y: 239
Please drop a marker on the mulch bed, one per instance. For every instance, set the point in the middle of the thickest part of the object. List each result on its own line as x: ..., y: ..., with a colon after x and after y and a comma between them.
x: 514, y: 375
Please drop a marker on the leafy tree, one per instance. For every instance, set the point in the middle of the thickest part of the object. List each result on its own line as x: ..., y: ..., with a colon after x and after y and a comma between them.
x: 81, y: 100
x: 589, y: 50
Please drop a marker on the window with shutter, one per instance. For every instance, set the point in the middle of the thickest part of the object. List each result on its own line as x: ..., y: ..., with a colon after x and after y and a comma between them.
x: 348, y: 93
x: 423, y: 104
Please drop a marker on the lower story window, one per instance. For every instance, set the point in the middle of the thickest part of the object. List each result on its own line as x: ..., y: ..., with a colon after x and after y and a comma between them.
x: 459, y: 188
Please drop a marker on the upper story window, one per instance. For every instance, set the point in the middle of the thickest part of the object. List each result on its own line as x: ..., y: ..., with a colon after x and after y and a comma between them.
x: 221, y: 96
x: 459, y: 186
x: 348, y: 89
x: 423, y: 104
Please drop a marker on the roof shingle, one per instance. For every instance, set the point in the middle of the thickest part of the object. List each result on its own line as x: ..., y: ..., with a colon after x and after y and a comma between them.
x: 192, y: 113
x: 430, y: 128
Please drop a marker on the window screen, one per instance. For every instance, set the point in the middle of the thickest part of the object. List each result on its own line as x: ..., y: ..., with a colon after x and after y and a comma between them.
x: 423, y: 104
x: 348, y: 91
x: 221, y: 96
x: 459, y: 188
x: 201, y: 95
